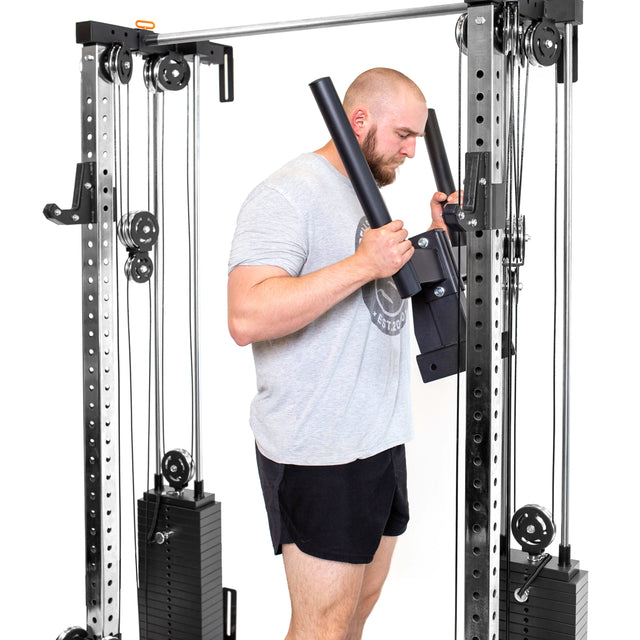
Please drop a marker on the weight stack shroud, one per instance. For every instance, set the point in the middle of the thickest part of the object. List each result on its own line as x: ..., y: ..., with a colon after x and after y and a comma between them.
x: 180, y: 595
x: 557, y: 605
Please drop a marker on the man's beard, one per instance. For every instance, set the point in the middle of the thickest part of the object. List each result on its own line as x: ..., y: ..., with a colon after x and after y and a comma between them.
x: 383, y: 174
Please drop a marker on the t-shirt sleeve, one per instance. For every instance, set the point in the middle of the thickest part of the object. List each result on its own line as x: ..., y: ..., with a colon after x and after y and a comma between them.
x: 270, y: 231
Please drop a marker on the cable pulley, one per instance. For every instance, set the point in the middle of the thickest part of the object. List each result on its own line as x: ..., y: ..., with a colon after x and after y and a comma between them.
x: 542, y: 44
x: 167, y: 73
x: 138, y: 230
x: 117, y: 64
x: 461, y: 33
x: 139, y: 267
x: 533, y: 528
x: 178, y: 468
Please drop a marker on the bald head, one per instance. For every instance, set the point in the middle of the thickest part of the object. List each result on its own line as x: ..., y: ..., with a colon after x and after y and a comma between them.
x: 387, y: 112
x: 379, y: 89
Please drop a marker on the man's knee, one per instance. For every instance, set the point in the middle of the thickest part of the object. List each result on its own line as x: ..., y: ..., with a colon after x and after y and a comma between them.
x: 329, y: 624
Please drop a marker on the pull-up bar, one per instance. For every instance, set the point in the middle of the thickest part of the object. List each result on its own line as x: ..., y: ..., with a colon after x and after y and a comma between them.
x: 300, y: 25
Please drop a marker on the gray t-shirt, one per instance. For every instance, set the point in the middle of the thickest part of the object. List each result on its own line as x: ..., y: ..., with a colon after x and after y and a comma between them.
x: 338, y: 389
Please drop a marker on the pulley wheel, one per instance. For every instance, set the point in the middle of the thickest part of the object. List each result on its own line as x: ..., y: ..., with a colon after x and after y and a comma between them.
x: 461, y: 33
x: 542, y: 44
x: 118, y: 64
x: 533, y: 528
x: 173, y: 72
x: 139, y: 267
x: 138, y: 230
x: 178, y: 468
x: 73, y: 633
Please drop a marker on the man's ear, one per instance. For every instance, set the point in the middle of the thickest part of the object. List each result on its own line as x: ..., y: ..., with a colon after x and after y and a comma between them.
x: 360, y: 122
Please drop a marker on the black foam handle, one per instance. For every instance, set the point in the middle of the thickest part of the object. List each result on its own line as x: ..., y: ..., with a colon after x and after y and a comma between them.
x: 359, y: 173
x: 438, y: 155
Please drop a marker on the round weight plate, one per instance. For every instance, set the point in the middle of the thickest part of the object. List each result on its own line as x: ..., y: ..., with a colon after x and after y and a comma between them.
x: 178, y: 468
x: 533, y: 528
x: 139, y: 267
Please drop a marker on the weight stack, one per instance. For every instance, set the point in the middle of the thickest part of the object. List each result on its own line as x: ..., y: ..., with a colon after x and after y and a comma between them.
x: 180, y: 595
x: 557, y: 605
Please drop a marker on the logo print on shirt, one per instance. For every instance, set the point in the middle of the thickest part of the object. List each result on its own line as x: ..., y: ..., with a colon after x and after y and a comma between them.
x: 388, y: 310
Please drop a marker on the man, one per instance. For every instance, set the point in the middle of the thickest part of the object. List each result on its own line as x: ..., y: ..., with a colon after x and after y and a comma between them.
x: 310, y: 288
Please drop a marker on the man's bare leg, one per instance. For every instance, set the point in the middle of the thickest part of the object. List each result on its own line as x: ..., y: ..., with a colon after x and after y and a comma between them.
x: 332, y: 600
x: 324, y: 595
x: 374, y: 577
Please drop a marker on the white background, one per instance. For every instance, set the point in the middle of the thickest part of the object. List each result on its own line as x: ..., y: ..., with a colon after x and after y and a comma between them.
x: 273, y: 119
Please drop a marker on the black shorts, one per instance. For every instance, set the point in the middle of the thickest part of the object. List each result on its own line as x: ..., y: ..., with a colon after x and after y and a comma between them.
x: 336, y: 512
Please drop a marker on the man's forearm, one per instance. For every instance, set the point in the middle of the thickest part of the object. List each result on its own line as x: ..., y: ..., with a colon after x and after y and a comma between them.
x: 281, y: 304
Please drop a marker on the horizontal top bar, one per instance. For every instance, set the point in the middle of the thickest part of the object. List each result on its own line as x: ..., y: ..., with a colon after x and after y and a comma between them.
x: 299, y: 25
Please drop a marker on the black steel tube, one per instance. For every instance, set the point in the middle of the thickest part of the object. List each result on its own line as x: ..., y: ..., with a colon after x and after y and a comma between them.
x: 359, y: 173
x: 438, y: 155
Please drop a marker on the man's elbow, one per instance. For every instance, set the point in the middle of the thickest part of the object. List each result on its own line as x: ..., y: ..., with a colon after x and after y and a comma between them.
x: 239, y: 331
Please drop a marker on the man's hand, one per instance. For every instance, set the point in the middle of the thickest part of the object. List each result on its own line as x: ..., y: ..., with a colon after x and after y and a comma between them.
x: 384, y: 251
x: 437, y: 202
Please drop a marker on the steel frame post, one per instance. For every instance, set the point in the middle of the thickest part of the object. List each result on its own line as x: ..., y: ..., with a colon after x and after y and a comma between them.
x: 100, y: 355
x: 484, y: 384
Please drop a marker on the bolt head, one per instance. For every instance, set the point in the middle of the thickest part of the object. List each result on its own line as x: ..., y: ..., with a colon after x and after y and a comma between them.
x: 439, y: 292
x: 423, y: 243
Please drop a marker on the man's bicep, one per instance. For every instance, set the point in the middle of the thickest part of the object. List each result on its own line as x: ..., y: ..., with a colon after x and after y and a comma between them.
x: 244, y: 305
x: 244, y: 277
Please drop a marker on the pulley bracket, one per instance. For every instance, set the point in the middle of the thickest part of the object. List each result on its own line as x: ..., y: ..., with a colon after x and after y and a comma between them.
x: 115, y: 65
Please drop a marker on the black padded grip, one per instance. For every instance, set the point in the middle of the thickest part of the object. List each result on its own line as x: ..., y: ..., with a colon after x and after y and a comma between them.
x: 438, y: 155
x: 359, y: 173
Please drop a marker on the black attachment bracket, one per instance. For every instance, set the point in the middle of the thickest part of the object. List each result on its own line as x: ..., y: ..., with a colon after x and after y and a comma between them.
x: 229, y: 612
x: 472, y: 214
x: 439, y: 309
x: 83, y: 208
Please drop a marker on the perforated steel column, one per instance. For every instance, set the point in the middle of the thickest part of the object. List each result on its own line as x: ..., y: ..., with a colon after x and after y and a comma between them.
x: 486, y: 120
x: 100, y: 357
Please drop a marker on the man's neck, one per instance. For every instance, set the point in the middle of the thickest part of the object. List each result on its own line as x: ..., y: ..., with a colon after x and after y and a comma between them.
x: 330, y: 153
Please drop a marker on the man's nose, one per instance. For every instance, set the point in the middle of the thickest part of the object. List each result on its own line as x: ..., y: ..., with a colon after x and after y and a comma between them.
x: 409, y: 147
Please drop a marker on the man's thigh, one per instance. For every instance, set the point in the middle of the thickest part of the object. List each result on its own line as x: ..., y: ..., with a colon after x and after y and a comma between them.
x: 324, y: 593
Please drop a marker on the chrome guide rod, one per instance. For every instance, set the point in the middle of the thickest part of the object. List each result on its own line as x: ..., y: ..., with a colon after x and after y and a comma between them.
x: 305, y: 24
x: 566, y: 355
x: 193, y: 154
x: 156, y: 206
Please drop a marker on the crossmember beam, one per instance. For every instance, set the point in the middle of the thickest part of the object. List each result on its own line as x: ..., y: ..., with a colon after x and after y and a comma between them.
x: 302, y: 25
